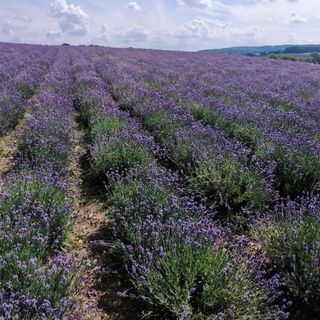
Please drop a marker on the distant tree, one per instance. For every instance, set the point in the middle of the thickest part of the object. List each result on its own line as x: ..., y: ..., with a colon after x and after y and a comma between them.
x: 289, y: 58
x: 302, y: 49
x: 273, y: 56
x: 315, y: 57
x: 281, y: 57
x: 66, y: 44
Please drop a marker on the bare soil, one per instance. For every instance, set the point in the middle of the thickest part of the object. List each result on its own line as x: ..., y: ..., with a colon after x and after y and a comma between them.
x: 102, y: 276
x: 9, y: 146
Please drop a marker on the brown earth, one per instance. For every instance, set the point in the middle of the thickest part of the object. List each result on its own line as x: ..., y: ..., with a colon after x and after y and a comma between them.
x: 102, y: 275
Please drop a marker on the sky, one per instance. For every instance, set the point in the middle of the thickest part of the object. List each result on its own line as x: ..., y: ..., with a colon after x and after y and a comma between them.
x: 161, y: 24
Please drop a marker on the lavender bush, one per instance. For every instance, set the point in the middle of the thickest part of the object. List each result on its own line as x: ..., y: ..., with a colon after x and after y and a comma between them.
x: 291, y: 241
x: 35, y: 212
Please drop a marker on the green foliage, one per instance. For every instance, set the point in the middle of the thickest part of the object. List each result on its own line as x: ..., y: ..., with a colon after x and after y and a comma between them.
x: 153, y: 84
x: 38, y: 280
x: 10, y: 117
x: 207, y: 115
x: 158, y: 122
x: 33, y: 193
x: 34, y: 218
x: 281, y: 105
x: 315, y: 58
x: 241, y: 131
x: 223, y: 98
x: 282, y: 57
x: 305, y: 95
x: 136, y: 198
x: 126, y: 99
x: 119, y: 155
x: 273, y: 56
x: 186, y: 150
x: 245, y: 133
x: 225, y: 182
x: 292, y: 246
x: 11, y: 111
x: 85, y: 106
x: 296, y: 172
x: 200, y: 283
x: 46, y: 194
x: 43, y: 142
x: 137, y: 191
x: 25, y: 90
x: 101, y: 126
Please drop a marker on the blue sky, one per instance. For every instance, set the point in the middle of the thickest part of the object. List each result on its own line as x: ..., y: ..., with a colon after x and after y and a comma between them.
x: 165, y: 24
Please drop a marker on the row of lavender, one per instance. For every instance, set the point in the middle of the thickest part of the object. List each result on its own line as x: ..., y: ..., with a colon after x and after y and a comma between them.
x: 283, y: 115
x: 180, y: 261
x: 35, y: 206
x: 241, y: 167
x: 19, y: 78
x: 285, y: 139
x: 210, y: 162
x: 193, y: 142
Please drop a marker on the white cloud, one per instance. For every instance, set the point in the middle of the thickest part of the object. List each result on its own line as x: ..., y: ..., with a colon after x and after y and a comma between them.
x: 201, y: 28
x: 274, y: 1
x: 136, y: 34
x: 104, y: 33
x: 101, y: 37
x: 133, y: 6
x: 53, y: 34
x: 213, y: 33
x: 71, y: 18
x: 197, y: 3
x: 14, y: 25
x: 295, y: 18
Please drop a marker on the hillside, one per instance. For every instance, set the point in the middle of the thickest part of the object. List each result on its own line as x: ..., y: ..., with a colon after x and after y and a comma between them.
x: 265, y: 50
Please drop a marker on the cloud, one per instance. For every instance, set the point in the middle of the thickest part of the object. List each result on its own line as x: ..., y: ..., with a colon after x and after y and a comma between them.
x: 53, y: 34
x: 200, y: 28
x: 103, y: 37
x: 197, y: 3
x: 208, y: 32
x: 274, y: 1
x: 295, y: 18
x: 133, y: 6
x: 7, y: 29
x: 104, y: 33
x: 12, y: 25
x: 71, y: 18
x: 136, y: 34
x: 17, y: 19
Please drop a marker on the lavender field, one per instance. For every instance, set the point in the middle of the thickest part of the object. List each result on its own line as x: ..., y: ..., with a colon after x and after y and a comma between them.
x: 206, y: 169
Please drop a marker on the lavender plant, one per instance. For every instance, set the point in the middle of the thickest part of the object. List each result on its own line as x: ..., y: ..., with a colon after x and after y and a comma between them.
x: 291, y: 241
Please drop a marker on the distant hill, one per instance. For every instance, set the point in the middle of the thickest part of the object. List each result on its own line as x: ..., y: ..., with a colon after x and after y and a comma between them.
x: 266, y: 50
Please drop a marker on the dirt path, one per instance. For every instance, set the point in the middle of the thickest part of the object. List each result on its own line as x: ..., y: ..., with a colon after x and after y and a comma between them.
x: 9, y: 144
x: 102, y: 277
x: 8, y: 148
